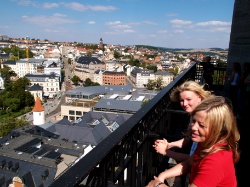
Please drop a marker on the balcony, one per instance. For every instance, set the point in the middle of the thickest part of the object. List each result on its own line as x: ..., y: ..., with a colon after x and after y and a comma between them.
x: 126, y: 157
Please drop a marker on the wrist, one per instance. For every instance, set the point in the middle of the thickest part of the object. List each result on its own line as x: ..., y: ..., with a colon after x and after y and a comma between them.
x: 170, y: 145
x: 159, y: 184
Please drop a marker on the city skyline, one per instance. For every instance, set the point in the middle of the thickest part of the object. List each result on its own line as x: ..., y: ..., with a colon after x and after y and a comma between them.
x: 173, y: 24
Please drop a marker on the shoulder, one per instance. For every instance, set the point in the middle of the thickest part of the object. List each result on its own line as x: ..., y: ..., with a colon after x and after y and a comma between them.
x: 221, y: 157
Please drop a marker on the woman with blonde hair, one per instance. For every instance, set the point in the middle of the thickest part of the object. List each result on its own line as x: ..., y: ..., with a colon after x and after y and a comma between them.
x: 214, y: 128
x: 189, y: 95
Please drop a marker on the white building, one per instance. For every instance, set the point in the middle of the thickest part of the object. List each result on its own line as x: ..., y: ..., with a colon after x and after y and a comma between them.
x: 49, y: 82
x: 38, y: 113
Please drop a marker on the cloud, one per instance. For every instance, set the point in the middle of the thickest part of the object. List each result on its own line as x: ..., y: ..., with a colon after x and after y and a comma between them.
x: 82, y: 8
x: 149, y: 22
x: 113, y: 23
x: 50, y: 5
x: 121, y: 26
x: 26, y: 3
x: 178, y: 31
x: 129, y: 31
x: 177, y: 23
x: 214, y: 23
x: 91, y: 22
x: 4, y: 27
x: 55, y: 19
x: 56, y: 30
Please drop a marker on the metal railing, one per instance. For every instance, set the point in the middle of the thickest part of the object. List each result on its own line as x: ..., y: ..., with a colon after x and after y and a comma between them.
x: 126, y: 157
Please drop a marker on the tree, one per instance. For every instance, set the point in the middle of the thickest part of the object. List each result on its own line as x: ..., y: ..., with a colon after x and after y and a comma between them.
x: 21, y: 83
x: 174, y: 71
x: 152, y: 68
x: 88, y: 82
x: 151, y: 84
x: 29, y: 99
x: 158, y: 83
x: 75, y: 79
x: 145, y: 102
x: 7, y: 72
x: 11, y: 123
x: 69, y: 60
x: 117, y: 54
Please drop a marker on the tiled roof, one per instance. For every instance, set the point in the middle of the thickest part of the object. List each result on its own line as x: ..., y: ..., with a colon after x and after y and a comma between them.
x: 88, y: 60
x: 38, y: 106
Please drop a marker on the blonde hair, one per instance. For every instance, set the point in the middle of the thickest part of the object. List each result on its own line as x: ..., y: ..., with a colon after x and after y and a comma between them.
x: 223, y: 129
x: 189, y: 86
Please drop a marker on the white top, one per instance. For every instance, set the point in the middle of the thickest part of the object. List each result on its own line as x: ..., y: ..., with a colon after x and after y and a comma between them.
x: 235, y: 79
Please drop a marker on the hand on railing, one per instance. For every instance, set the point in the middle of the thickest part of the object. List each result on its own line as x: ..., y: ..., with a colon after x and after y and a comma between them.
x: 161, y: 146
x: 156, y: 183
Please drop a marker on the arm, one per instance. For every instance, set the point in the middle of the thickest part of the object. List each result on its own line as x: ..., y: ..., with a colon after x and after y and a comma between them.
x: 178, y: 157
x: 156, y: 182
x: 177, y: 170
x: 161, y: 146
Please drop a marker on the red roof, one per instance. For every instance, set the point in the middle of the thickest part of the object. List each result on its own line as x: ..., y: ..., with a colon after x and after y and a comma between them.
x: 38, y: 106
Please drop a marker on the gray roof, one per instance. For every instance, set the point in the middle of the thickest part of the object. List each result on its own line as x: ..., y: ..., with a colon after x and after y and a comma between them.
x: 59, y: 138
x: 114, y: 104
x: 163, y: 73
x: 114, y: 72
x: 87, y: 60
x: 35, y: 87
x: 9, y: 62
x: 52, y: 75
x: 30, y: 172
x: 90, y: 90
x: 4, y: 55
x: 21, y: 157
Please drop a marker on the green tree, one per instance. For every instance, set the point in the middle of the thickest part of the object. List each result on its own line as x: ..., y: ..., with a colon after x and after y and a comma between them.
x: 151, y: 67
x: 11, y: 123
x: 88, y: 82
x: 174, y: 71
x: 145, y: 102
x: 29, y: 99
x: 7, y: 72
x: 159, y: 83
x: 117, y: 54
x: 151, y: 84
x: 75, y: 79
x: 69, y: 60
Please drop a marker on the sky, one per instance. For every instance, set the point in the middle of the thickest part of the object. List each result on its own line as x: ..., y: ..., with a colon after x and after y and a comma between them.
x: 159, y: 23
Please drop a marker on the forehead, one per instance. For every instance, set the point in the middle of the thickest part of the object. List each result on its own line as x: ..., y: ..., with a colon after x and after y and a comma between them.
x: 188, y: 94
x: 201, y: 116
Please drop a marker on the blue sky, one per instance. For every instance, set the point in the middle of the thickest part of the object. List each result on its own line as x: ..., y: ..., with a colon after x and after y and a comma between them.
x: 163, y: 23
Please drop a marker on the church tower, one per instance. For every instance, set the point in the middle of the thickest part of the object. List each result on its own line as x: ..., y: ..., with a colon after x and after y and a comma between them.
x: 101, y: 44
x: 38, y: 113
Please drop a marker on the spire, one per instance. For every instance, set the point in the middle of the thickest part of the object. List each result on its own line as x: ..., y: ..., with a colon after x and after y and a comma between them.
x: 38, y: 105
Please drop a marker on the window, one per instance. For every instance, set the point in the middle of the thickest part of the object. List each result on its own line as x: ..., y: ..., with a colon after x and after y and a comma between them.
x: 71, y: 118
x: 71, y: 112
x: 79, y: 113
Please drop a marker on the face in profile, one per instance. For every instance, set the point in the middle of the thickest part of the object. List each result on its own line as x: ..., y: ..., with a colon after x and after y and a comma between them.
x: 189, y: 100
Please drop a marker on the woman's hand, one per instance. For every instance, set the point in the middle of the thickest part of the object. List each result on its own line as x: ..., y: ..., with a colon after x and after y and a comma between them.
x: 161, y: 146
x: 155, y: 182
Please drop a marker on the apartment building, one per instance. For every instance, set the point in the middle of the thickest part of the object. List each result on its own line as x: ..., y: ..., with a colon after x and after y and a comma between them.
x: 113, y: 78
x: 85, y: 67
x: 27, y: 66
x: 141, y: 76
x: 49, y: 82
